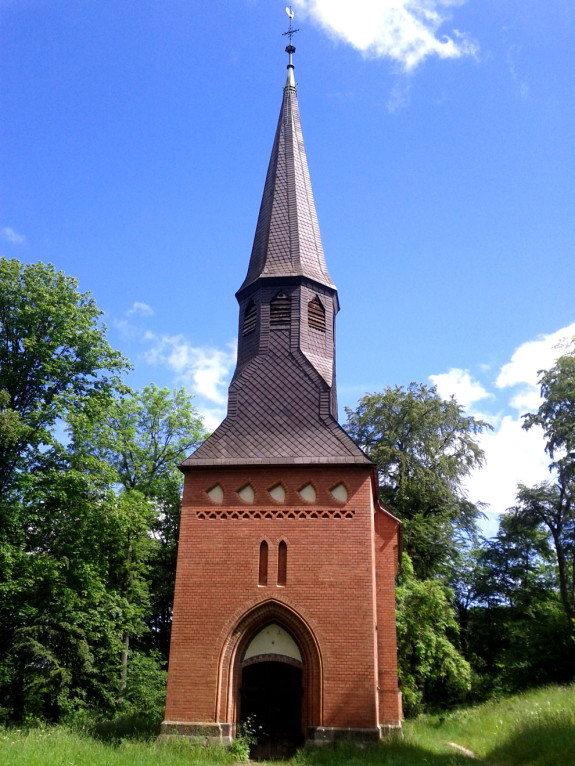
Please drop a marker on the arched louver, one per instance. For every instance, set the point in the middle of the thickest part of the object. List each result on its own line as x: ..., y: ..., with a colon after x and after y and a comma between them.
x: 280, y: 311
x: 250, y: 318
x: 316, y: 314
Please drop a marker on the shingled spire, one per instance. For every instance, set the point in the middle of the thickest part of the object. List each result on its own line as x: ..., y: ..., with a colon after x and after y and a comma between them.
x: 287, y: 240
x: 282, y: 405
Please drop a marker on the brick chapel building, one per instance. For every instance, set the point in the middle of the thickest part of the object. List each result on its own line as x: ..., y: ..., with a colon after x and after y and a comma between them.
x: 284, y: 610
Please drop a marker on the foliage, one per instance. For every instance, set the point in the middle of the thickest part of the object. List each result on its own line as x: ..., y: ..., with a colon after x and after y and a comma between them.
x: 556, y: 415
x: 430, y: 664
x: 88, y: 527
x: 519, y: 615
x: 423, y: 447
x: 53, y: 357
x: 550, y: 504
x: 145, y: 693
x: 245, y: 739
x: 142, y: 437
x: 516, y: 635
x: 71, y: 598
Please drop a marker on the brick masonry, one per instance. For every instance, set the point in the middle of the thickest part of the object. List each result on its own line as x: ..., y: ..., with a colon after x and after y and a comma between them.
x: 338, y: 600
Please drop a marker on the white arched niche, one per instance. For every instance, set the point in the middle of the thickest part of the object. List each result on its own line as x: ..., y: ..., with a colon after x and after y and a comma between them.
x: 273, y: 639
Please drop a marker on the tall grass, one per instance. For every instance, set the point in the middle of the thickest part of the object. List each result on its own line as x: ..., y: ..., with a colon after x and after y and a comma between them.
x: 536, y: 728
x: 532, y: 729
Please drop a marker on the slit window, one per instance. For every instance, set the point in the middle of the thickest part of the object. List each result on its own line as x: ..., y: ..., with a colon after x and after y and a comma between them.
x: 250, y: 318
x: 316, y: 314
x: 280, y: 311
x: 263, y: 571
x: 282, y: 563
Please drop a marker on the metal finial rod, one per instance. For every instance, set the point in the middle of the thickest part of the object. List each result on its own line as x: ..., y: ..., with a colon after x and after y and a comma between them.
x: 290, y: 48
x: 291, y: 31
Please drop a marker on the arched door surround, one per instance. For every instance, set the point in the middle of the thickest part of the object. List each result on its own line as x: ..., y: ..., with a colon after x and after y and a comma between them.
x: 230, y: 665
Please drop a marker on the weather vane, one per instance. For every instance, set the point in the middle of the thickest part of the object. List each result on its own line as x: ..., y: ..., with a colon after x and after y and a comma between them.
x: 290, y: 31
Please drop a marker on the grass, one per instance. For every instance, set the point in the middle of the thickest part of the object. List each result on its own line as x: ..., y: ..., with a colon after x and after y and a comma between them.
x: 536, y: 728
x: 532, y: 729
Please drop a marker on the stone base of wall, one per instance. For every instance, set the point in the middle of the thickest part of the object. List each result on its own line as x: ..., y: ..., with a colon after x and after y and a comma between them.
x: 326, y: 736
x: 316, y: 736
x: 202, y: 733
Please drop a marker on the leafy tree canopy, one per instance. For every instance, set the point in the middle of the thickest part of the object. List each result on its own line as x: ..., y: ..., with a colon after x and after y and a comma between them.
x: 556, y: 415
x: 431, y: 667
x: 53, y: 357
x: 550, y: 504
x: 424, y: 447
x: 142, y: 436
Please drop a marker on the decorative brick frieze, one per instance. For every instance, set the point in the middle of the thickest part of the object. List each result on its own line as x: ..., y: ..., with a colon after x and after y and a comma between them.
x: 273, y: 513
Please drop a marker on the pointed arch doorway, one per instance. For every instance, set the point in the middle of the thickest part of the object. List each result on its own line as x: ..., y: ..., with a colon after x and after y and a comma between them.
x: 271, y: 670
x: 271, y: 692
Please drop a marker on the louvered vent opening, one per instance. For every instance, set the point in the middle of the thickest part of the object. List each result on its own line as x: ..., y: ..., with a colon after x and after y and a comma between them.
x: 280, y: 311
x: 316, y: 314
x: 250, y: 318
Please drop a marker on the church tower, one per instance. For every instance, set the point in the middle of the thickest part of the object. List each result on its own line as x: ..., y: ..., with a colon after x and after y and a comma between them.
x: 284, y: 611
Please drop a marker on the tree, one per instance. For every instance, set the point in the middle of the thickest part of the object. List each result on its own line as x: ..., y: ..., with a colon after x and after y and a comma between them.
x: 431, y: 669
x: 71, y: 596
x: 143, y: 436
x: 424, y: 447
x: 514, y: 630
x: 550, y: 504
x: 53, y: 356
x: 556, y: 415
x: 89, y: 524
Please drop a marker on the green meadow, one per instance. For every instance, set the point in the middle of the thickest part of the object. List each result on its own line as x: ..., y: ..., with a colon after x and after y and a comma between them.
x: 536, y: 728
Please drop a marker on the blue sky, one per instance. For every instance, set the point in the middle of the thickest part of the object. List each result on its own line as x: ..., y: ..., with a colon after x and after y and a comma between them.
x: 134, y: 143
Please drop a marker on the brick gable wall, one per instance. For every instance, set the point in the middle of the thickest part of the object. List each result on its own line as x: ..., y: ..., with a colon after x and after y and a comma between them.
x: 340, y: 579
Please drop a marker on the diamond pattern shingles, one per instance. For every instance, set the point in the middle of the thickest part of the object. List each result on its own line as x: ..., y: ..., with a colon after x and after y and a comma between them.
x: 278, y: 416
x: 287, y: 240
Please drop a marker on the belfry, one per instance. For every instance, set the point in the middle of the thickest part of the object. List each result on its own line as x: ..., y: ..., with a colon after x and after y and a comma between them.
x: 284, y: 610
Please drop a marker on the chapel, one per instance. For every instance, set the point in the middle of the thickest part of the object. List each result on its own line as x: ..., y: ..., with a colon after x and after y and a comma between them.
x: 284, y: 609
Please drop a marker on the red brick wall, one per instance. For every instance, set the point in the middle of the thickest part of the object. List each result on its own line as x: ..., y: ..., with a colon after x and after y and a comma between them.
x: 333, y: 584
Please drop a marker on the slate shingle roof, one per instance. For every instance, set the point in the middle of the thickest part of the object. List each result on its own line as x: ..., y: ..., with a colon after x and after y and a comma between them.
x: 278, y: 413
x: 287, y: 240
x: 281, y: 400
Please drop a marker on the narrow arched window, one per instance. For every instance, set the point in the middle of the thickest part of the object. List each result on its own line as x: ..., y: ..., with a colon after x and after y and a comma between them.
x: 316, y: 314
x: 263, y: 573
x: 282, y: 563
x: 250, y: 318
x: 280, y: 311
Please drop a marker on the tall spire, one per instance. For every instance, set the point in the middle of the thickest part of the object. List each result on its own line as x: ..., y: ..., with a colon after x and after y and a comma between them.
x: 282, y: 405
x: 287, y: 241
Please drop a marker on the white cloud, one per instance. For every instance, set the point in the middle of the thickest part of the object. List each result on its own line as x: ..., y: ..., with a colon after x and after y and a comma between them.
x: 460, y: 384
x: 204, y: 371
x: 405, y: 31
x: 7, y: 234
x: 535, y: 355
x: 141, y: 309
x: 512, y: 455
